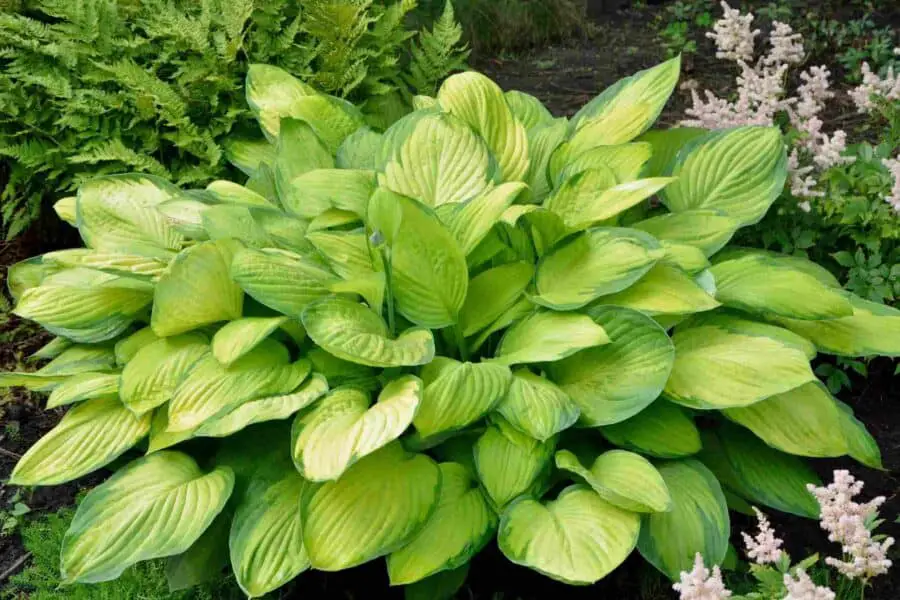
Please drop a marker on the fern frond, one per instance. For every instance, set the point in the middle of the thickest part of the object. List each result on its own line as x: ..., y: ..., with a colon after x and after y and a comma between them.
x: 437, y: 53
x: 115, y: 151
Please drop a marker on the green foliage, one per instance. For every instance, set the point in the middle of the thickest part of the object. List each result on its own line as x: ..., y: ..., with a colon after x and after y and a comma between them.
x: 89, y: 87
x: 381, y: 345
x: 39, y: 580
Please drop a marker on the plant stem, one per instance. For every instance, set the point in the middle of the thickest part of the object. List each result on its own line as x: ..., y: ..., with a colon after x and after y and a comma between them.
x: 389, y: 290
x: 461, y: 343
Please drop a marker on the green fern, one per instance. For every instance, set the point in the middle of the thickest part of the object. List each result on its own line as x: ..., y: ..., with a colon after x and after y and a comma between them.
x: 437, y: 53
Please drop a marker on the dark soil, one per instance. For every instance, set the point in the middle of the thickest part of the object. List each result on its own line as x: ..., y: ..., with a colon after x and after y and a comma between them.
x: 564, y: 78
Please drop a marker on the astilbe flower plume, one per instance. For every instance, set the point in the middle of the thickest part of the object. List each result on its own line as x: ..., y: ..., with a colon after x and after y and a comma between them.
x: 847, y: 523
x: 893, y: 166
x: 801, y: 587
x: 701, y: 584
x: 765, y: 547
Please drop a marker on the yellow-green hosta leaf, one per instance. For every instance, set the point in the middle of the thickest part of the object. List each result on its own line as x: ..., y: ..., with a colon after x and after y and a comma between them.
x: 27, y: 274
x: 578, y: 539
x: 185, y: 215
x: 228, y: 192
x: 224, y: 221
x: 461, y: 524
x: 211, y: 389
x: 626, y: 109
x: 429, y: 275
x: 80, y: 358
x: 665, y: 145
x: 736, y: 323
x: 763, y: 285
x: 480, y: 103
x: 347, y: 252
x: 66, y: 209
x: 377, y: 507
x: 204, y: 560
x: 197, y: 289
x: 613, y: 382
x: 509, y: 462
x: 160, y: 437
x: 345, y: 427
x: 117, y: 263
x: 623, y: 479
x: 543, y: 141
x: 759, y: 473
x: 299, y: 150
x: 83, y: 386
x: 151, y: 377
x: 84, y: 305
x: 860, y: 443
x: 491, y: 293
x: 521, y: 309
x: 282, y: 280
x: 459, y: 394
x: 51, y: 349
x: 698, y: 521
x: 88, y: 437
x: 332, y: 118
x: 624, y: 160
x: 359, y: 150
x: 527, y: 109
x: 312, y: 193
x: 246, y: 153
x: 272, y: 93
x: 341, y: 372
x: 707, y: 230
x: 333, y: 218
x: 664, y: 290
x: 803, y: 421
x: 270, y: 408
x: 156, y: 506
x: 687, y: 258
x: 352, y: 332
x: 285, y: 232
x: 536, y: 406
x: 266, y: 538
x: 440, y: 160
x: 662, y: 430
x: 872, y: 329
x: 239, y: 337
x: 118, y: 213
x: 594, y: 263
x: 717, y: 369
x: 472, y: 221
x: 738, y: 171
x: 546, y: 336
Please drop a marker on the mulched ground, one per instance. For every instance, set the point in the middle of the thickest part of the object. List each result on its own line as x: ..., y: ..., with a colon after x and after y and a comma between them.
x: 564, y: 78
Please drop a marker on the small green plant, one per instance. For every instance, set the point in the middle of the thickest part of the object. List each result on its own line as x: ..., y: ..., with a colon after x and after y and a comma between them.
x: 680, y: 22
x: 11, y: 516
x: 403, y: 345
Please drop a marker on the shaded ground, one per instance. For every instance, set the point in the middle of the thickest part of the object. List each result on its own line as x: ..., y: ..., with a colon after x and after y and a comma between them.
x: 564, y: 78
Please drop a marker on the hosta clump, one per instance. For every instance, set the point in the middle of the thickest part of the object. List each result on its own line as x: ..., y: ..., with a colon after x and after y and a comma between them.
x: 403, y: 344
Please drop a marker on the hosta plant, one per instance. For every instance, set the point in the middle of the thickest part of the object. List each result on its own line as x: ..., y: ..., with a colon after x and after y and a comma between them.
x: 484, y: 323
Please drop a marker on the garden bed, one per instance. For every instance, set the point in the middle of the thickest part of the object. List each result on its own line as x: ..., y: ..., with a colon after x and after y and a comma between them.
x: 564, y: 78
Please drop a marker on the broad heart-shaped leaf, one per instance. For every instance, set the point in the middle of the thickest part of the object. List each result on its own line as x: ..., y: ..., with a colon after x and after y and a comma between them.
x: 578, y: 539
x: 359, y: 150
x: 150, y: 378
x: 88, y: 437
x: 594, y: 263
x: 546, y: 336
x: 299, y: 150
x: 480, y: 103
x: 715, y: 368
x: 270, y: 408
x: 156, y: 506
x: 805, y: 421
x: 760, y: 284
x: 437, y: 159
x: 542, y: 144
x: 527, y: 109
x: 613, y: 382
x: 662, y: 430
x: 266, y: 538
x: 272, y: 93
x: 736, y: 322
x: 860, y: 443
x: 377, y: 507
x: 239, y: 337
x: 80, y: 358
x: 228, y: 221
x: 624, y: 110
x: 665, y: 145
x: 83, y: 386
x: 443, y: 585
x: 698, y: 521
x: 230, y: 193
x: 212, y: 389
x: 759, y: 473
x: 470, y: 222
x: 461, y: 394
x: 66, y: 208
x: 428, y: 275
x: 738, y: 171
x: 624, y: 160
x: 343, y: 428
x: 312, y: 193
x: 284, y: 281
x: 118, y: 213
x: 536, y: 406
x: 664, y: 290
x: 622, y: 478
x: 707, y: 230
x: 204, y: 560
x: 246, y: 153
x: 117, y: 263
x: 491, y: 293
x: 508, y: 462
x: 459, y: 527
x: 85, y: 306
x: 347, y: 252
x: 872, y: 329
x: 352, y: 332
x: 197, y: 289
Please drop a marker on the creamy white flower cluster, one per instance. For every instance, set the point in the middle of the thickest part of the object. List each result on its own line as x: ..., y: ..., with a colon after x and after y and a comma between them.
x: 765, y: 547
x: 893, y: 166
x: 801, y: 587
x: 761, y: 96
x: 701, y: 584
x: 847, y: 523
x: 873, y: 86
